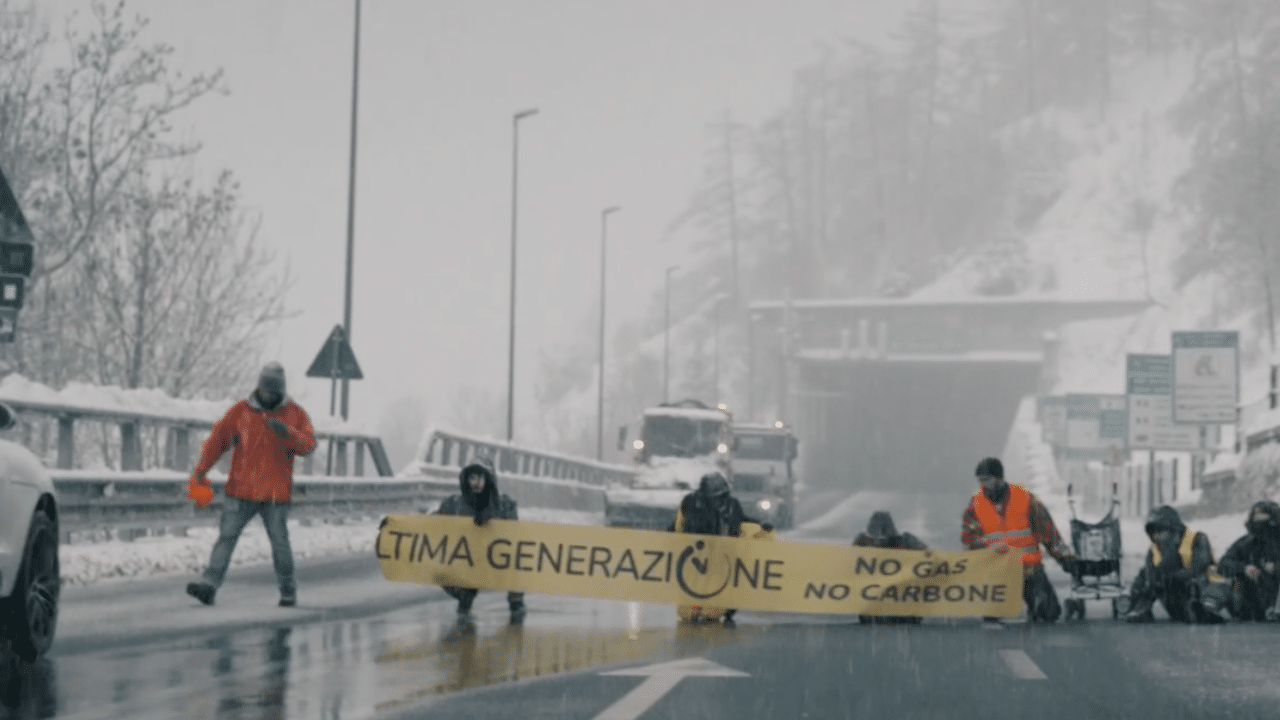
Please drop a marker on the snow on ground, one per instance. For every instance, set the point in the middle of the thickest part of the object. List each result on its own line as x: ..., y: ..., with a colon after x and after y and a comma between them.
x: 115, y: 560
x: 87, y: 563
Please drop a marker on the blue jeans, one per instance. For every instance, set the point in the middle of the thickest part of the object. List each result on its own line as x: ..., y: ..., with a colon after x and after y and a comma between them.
x: 236, y: 513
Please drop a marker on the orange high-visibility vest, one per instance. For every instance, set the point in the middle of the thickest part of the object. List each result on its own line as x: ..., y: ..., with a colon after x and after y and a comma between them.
x: 1014, y: 528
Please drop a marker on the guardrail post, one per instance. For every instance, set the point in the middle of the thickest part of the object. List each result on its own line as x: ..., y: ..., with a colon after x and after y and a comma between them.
x: 130, y: 446
x: 359, y: 472
x: 340, y: 462
x: 178, y: 448
x: 66, y: 441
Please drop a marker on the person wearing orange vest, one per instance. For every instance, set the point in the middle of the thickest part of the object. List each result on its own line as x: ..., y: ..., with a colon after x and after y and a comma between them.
x: 1007, y: 516
x: 1179, y: 572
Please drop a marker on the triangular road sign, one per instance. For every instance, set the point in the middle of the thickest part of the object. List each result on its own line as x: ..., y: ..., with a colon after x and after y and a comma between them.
x: 336, y: 359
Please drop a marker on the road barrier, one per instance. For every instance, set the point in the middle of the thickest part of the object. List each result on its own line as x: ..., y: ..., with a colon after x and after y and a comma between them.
x: 131, y: 504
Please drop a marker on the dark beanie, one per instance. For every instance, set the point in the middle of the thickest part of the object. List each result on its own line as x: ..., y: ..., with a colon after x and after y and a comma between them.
x: 272, y: 378
x: 990, y: 466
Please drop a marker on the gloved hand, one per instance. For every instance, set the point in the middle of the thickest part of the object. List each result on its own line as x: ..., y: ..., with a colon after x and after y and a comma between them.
x: 200, y: 490
x: 483, y: 515
x: 279, y: 428
x: 1183, y: 575
x: 767, y: 527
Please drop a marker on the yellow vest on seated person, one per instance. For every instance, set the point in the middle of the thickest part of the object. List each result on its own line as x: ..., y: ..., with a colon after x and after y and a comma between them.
x: 1184, y: 551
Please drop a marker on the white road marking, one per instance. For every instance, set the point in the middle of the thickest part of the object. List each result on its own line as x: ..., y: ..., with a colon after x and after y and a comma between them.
x: 1022, y: 666
x: 659, y: 680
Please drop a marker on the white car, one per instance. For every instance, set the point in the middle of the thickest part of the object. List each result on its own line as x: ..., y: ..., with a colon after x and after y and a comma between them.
x: 29, y: 579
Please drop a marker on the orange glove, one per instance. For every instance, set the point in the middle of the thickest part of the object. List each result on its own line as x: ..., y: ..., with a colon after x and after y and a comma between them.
x: 201, y: 492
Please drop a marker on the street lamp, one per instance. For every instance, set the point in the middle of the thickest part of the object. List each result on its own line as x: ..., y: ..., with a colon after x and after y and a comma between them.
x: 666, y: 338
x: 716, y: 345
x: 604, y: 234
x: 511, y: 345
x: 351, y: 211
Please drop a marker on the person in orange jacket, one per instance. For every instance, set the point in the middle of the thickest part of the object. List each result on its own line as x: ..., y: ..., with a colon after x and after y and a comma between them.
x: 265, y: 432
x: 1006, y: 516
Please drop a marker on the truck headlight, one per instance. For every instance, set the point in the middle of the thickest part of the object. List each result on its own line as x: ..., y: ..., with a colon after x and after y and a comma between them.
x: 638, y: 444
x: 722, y: 448
x: 765, y: 504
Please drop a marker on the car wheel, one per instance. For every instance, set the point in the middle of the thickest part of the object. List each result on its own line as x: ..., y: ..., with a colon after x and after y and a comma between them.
x: 32, y: 610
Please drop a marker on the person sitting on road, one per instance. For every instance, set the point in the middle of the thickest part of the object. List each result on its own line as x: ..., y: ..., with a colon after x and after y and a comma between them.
x: 1177, y: 571
x: 1004, y: 516
x: 882, y: 533
x: 1250, y: 564
x: 481, y: 500
x: 713, y: 510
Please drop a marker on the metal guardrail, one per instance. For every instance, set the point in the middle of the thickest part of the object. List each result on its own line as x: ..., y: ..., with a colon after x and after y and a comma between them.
x: 180, y: 421
x: 453, y: 450
x: 130, y: 505
x: 137, y: 503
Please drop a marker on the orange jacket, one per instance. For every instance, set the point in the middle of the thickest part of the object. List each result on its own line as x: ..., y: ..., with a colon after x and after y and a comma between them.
x: 1014, y: 527
x: 262, y: 463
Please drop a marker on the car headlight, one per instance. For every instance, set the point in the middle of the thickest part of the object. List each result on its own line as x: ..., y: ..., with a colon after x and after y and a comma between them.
x: 639, y: 444
x: 722, y: 448
x: 765, y: 504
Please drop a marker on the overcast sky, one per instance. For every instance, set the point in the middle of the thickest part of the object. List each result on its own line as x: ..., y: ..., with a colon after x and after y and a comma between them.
x: 625, y: 89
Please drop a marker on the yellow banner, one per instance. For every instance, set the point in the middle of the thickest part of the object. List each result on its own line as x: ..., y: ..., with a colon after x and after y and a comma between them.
x: 678, y: 568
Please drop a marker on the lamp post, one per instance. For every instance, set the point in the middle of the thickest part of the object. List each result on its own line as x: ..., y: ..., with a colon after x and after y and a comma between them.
x: 716, y: 348
x: 604, y: 235
x: 511, y: 344
x: 666, y: 337
x: 351, y: 210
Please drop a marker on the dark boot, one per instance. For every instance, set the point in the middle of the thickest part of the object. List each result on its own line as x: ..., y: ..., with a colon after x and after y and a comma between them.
x: 202, y: 591
x: 1140, y: 611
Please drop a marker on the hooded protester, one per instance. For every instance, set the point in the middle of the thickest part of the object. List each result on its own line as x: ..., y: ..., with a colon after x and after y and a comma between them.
x: 1177, y: 570
x: 713, y: 510
x: 1250, y: 564
x: 481, y: 500
x: 265, y: 432
x: 882, y: 533
x: 1006, y: 516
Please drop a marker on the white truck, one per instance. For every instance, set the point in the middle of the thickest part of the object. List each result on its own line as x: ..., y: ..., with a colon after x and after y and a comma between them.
x: 764, y: 473
x: 678, y: 444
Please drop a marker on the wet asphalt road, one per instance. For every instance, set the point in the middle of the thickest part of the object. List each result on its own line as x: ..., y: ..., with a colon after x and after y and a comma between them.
x: 359, y: 647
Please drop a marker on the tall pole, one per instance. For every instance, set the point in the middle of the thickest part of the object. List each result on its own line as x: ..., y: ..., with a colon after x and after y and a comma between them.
x: 715, y: 355
x: 511, y: 344
x: 716, y: 347
x: 351, y: 202
x: 666, y: 339
x: 604, y: 235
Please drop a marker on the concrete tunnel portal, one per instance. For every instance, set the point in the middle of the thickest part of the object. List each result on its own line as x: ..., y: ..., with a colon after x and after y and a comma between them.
x: 904, y: 394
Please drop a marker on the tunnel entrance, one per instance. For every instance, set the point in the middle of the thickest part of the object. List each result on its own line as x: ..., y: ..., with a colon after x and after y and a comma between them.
x: 904, y: 394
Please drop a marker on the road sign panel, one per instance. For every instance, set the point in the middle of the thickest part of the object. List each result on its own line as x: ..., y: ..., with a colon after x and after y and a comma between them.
x: 18, y: 258
x: 1149, y: 380
x: 1095, y: 426
x: 12, y: 291
x: 8, y: 325
x: 1206, y: 376
x: 336, y: 359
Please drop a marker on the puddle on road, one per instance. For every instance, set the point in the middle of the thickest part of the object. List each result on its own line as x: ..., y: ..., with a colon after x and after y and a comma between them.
x: 347, y: 669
